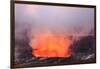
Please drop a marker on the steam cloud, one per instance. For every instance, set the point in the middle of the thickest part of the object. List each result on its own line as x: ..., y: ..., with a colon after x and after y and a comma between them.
x: 33, y: 19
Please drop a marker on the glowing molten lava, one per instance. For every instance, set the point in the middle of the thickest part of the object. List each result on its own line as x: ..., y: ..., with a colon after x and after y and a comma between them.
x: 50, y: 45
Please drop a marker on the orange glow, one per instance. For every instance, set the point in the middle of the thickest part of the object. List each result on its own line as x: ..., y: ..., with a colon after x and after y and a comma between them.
x: 50, y: 45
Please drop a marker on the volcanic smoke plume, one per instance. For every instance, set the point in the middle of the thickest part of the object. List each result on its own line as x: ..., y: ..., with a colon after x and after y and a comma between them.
x: 51, y: 32
x: 48, y: 44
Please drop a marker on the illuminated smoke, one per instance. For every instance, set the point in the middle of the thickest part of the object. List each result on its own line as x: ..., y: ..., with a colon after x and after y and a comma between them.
x: 62, y: 26
x: 48, y: 44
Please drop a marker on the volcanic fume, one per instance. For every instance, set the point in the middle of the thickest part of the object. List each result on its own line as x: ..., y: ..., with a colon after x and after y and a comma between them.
x: 48, y: 44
